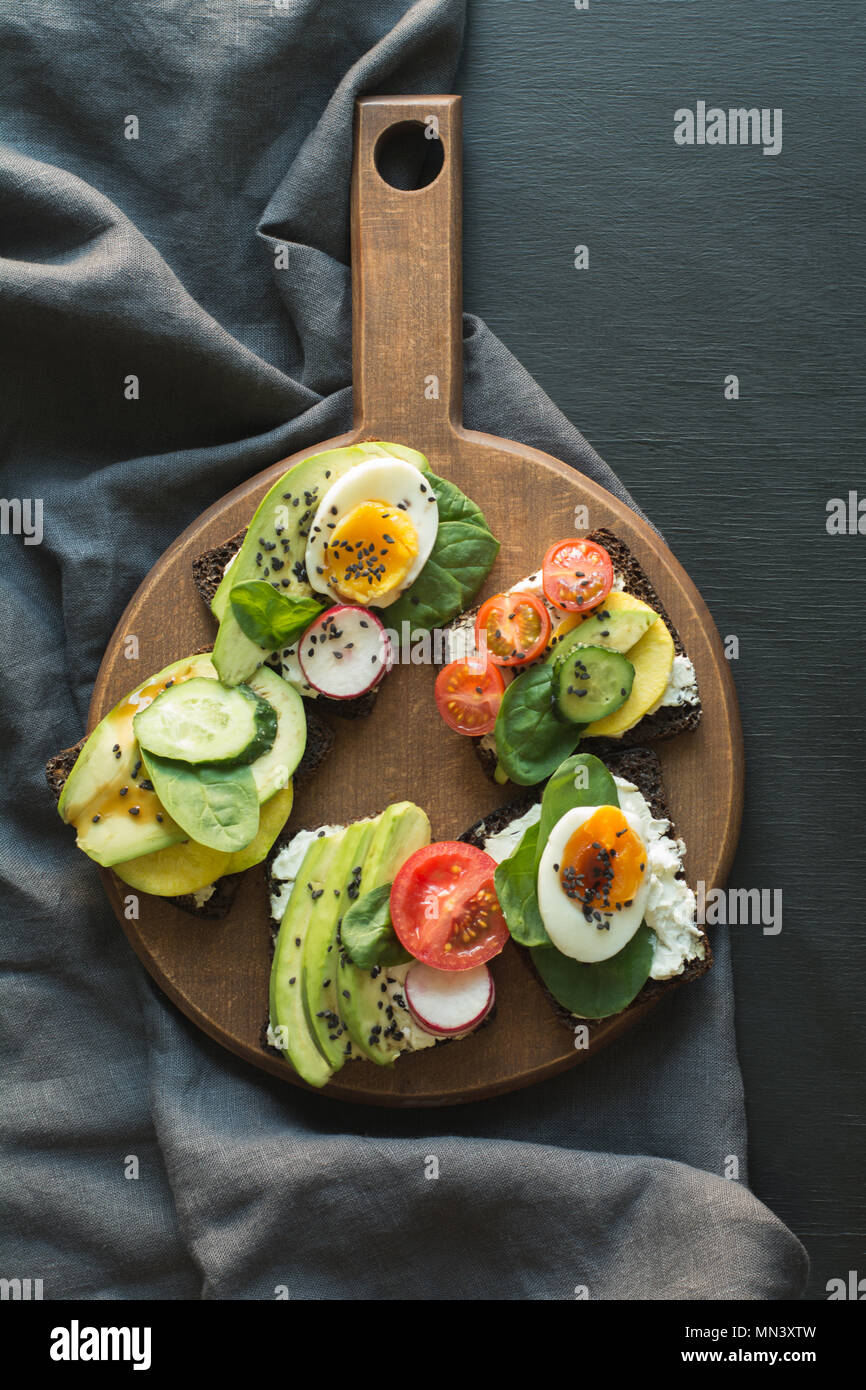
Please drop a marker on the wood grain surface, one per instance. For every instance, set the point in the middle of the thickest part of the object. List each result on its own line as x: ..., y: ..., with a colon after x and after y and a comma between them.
x: 406, y: 276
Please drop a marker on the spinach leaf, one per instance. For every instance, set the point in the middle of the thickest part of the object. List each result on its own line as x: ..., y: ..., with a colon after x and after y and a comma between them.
x: 467, y: 552
x: 270, y: 618
x: 531, y: 741
x: 515, y: 882
x: 460, y: 561
x: 453, y: 504
x: 582, y: 780
x: 433, y: 600
x: 216, y: 806
x: 367, y: 933
x: 603, y: 988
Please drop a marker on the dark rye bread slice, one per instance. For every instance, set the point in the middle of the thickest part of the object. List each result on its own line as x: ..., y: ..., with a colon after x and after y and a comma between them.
x: 641, y: 767
x: 285, y: 839
x: 207, y: 573
x: 668, y: 721
x: 319, y: 741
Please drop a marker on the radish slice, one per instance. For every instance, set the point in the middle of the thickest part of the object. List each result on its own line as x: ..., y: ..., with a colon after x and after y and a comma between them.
x: 445, y: 1002
x: 344, y: 652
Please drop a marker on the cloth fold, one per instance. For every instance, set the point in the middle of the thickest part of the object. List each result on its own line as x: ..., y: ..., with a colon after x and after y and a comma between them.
x: 140, y: 1159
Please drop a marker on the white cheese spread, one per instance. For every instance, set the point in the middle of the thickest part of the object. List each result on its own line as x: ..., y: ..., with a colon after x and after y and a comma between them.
x: 682, y: 686
x: 504, y: 842
x: 414, y: 1038
x: 671, y: 907
x: 286, y: 865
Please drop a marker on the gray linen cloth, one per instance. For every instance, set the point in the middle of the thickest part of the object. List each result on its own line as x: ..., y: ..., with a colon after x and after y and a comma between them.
x: 153, y: 256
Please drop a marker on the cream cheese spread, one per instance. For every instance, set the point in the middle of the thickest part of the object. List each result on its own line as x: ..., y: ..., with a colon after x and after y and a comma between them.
x: 287, y: 863
x: 671, y: 907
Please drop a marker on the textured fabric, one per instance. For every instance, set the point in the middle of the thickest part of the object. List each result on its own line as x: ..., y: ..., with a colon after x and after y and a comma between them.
x: 153, y: 257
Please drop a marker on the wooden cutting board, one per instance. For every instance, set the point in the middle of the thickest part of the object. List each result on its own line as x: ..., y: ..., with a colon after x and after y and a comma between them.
x: 407, y: 329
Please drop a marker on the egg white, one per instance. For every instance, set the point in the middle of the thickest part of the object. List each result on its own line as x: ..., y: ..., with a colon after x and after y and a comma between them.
x: 377, y: 480
x: 563, y: 918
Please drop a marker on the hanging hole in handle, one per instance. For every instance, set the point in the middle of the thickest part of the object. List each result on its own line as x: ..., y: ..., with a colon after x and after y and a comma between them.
x: 409, y: 155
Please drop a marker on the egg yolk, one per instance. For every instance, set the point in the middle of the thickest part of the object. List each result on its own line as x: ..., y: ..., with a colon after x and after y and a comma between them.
x: 604, y: 863
x: 370, y: 552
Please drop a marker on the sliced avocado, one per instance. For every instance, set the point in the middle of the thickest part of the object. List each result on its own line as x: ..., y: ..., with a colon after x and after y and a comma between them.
x: 290, y: 1022
x: 108, y: 796
x: 399, y: 831
x: 189, y: 867
x: 617, y: 629
x: 279, y: 529
x: 338, y: 887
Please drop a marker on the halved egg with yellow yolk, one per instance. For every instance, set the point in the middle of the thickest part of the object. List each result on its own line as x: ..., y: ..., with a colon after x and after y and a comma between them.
x: 372, y: 533
x: 593, y: 882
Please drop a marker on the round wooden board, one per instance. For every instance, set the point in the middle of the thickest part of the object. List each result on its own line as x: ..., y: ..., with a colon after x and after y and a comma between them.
x: 217, y: 972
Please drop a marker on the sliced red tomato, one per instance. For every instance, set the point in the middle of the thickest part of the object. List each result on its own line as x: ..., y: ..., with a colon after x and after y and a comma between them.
x: 469, y: 699
x: 514, y: 626
x: 444, y: 906
x: 577, y: 574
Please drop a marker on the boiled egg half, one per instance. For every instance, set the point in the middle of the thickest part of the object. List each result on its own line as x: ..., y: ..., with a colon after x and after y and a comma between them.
x: 593, y: 882
x: 372, y: 533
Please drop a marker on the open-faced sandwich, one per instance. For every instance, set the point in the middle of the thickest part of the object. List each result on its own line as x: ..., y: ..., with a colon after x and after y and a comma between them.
x: 188, y: 781
x: 345, y: 531
x: 582, y: 649
x: 384, y: 941
x: 590, y: 879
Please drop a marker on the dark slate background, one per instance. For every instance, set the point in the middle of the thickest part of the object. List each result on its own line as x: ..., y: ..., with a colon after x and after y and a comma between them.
x: 705, y: 262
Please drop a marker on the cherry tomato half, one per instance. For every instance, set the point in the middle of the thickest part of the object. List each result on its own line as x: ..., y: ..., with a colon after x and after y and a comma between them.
x: 577, y: 574
x: 468, y: 699
x: 515, y: 627
x: 444, y: 906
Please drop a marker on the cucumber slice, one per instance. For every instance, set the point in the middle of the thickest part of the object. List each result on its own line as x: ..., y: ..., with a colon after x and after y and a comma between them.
x: 590, y: 682
x: 203, y: 721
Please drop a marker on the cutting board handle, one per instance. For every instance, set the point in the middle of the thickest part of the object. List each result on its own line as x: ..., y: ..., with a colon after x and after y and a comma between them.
x: 407, y: 279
